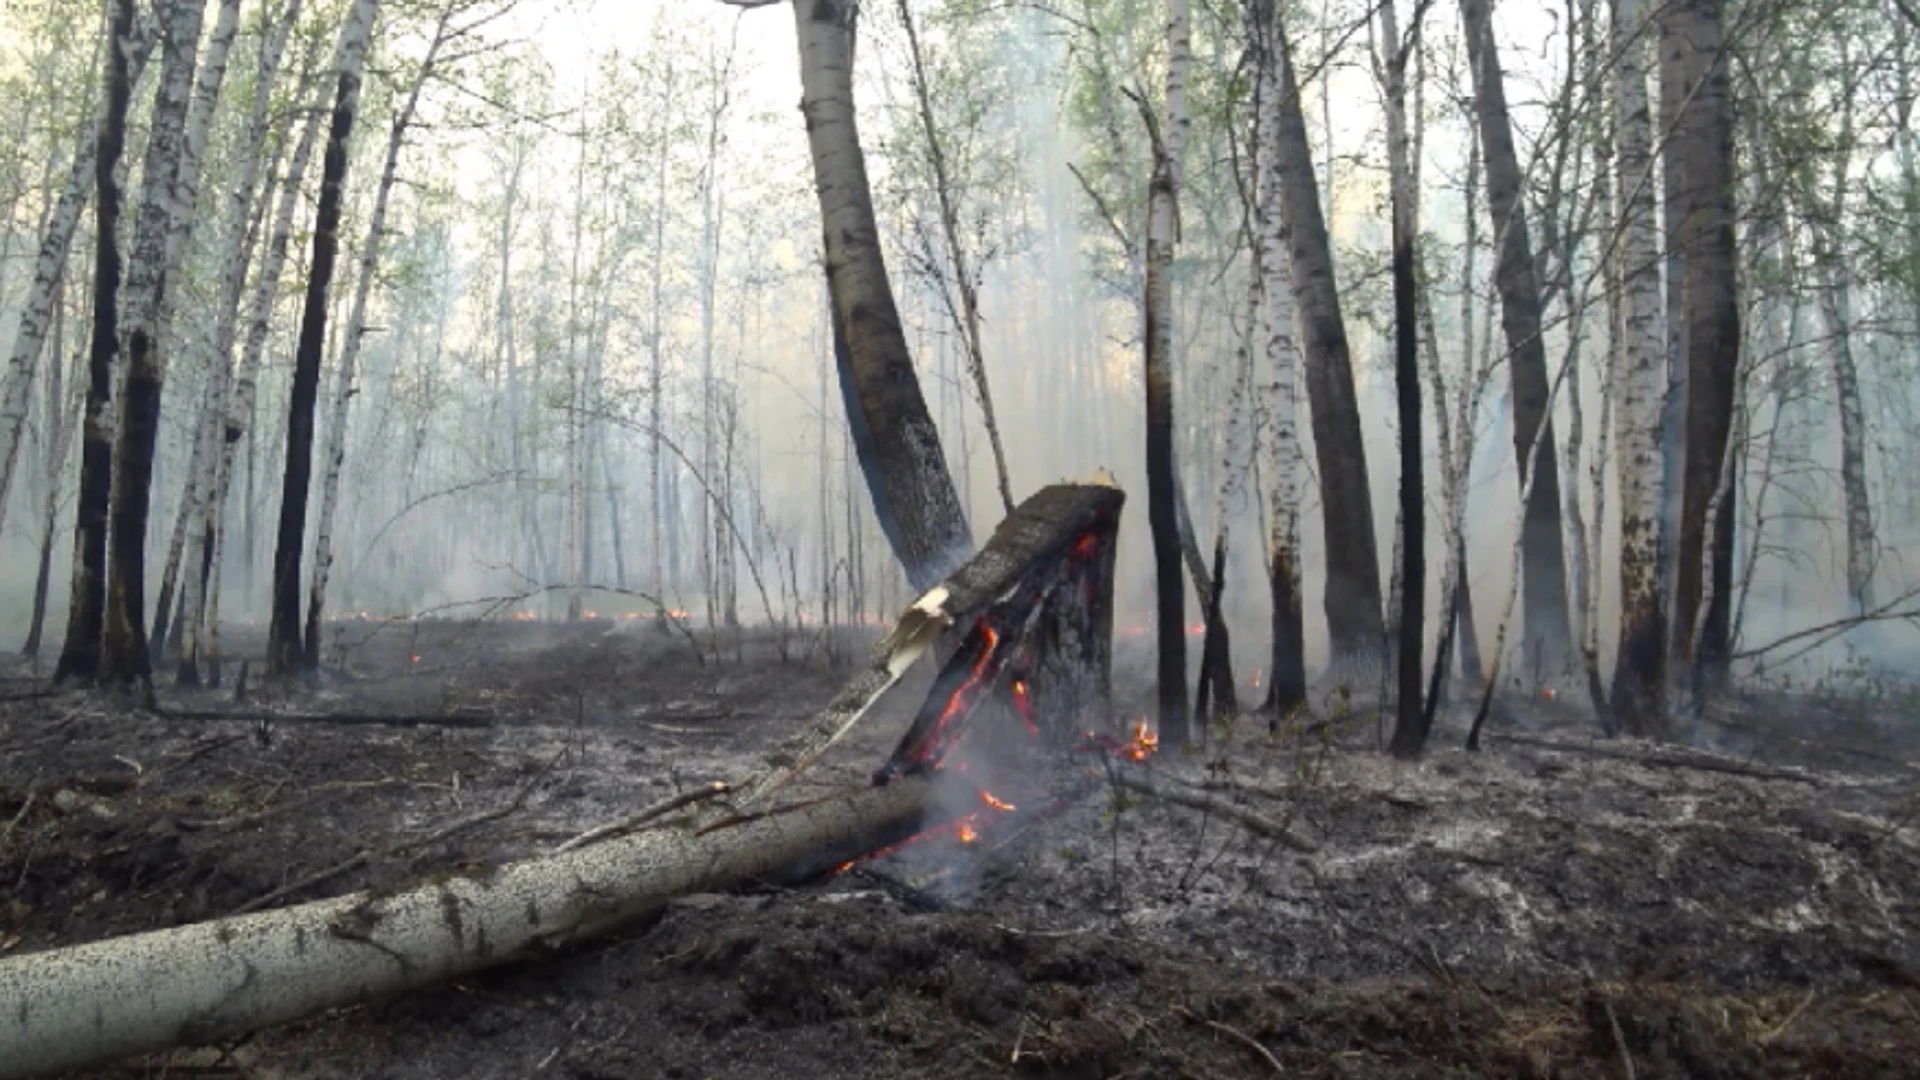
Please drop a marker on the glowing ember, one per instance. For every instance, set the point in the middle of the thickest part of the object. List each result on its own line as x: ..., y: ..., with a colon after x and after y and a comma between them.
x: 1255, y: 681
x: 1196, y: 629
x: 994, y: 801
x: 1024, y: 706
x: 1086, y: 544
x: 416, y: 658
x: 590, y: 614
x: 677, y: 613
x: 966, y: 833
x: 1548, y: 693
x: 1144, y: 742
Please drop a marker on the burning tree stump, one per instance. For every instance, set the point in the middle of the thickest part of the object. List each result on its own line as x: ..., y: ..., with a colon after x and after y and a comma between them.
x: 1033, y: 615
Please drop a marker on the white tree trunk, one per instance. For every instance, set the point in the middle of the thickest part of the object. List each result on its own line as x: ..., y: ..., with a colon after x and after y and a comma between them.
x: 209, y: 981
x: 1638, y: 691
x: 204, y: 634
x: 36, y: 313
x: 213, y: 451
x: 335, y: 453
x: 206, y: 95
x: 31, y: 335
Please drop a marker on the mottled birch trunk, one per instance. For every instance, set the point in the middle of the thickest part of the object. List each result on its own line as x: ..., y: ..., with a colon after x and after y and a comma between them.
x: 1162, y: 492
x: 203, y: 634
x: 206, y: 95
x: 1283, y: 461
x: 214, y: 451
x: 1638, y: 696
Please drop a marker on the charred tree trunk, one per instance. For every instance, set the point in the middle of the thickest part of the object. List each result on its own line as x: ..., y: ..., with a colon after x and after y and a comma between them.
x: 124, y: 658
x: 1640, y: 665
x: 86, y: 611
x: 1547, y: 646
x: 899, y: 449
x: 285, y: 652
x: 1162, y: 492
x: 336, y: 445
x: 203, y: 628
x: 1697, y: 107
x: 1353, y: 558
x: 1411, y: 721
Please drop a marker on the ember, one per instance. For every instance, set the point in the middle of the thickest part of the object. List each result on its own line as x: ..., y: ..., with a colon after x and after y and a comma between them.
x: 997, y: 803
x: 966, y: 833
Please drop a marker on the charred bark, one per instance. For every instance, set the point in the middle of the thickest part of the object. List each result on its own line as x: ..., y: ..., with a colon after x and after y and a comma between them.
x: 1353, y: 560
x: 1547, y: 645
x: 1640, y: 665
x: 913, y: 494
x: 1412, y: 721
x: 1697, y: 107
x: 86, y: 611
x: 285, y: 652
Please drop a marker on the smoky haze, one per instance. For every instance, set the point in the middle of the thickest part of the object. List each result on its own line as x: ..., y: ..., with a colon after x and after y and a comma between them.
x: 685, y: 219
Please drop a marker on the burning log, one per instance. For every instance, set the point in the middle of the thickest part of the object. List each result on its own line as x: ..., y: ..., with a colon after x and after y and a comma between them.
x: 1036, y: 605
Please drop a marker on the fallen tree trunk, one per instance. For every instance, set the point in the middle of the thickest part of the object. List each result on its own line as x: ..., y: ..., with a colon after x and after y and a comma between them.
x: 82, y: 1006
x: 1046, y: 578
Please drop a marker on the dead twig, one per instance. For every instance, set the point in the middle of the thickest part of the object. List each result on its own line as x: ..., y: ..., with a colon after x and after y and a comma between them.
x: 1258, y: 824
x: 365, y: 855
x: 25, y: 805
x: 1788, y: 1022
x: 1664, y: 759
x: 645, y: 814
x: 1237, y: 1035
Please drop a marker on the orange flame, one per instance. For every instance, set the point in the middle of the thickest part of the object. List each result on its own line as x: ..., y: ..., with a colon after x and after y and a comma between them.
x: 966, y: 833
x: 1144, y: 742
x: 995, y: 801
x: 1196, y: 629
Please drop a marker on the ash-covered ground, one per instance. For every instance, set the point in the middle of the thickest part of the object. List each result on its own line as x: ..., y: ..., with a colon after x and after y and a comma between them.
x: 1552, y: 906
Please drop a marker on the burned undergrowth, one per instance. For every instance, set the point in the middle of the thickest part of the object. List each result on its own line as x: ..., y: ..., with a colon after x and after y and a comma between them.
x: 1536, y: 909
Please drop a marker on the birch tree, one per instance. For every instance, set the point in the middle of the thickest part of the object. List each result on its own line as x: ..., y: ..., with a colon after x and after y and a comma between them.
x: 1544, y: 620
x: 1412, y: 720
x: 1283, y: 460
x: 202, y: 638
x: 913, y: 494
x: 1162, y: 209
x: 164, y: 194
x: 1353, y: 561
x: 285, y: 651
x: 216, y: 439
x: 86, y: 611
x: 343, y: 389
x: 1696, y: 118
x: 180, y: 232
x: 1639, y: 671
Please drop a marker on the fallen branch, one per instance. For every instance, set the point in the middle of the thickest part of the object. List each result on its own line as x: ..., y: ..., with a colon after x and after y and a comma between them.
x: 364, y: 855
x: 1257, y: 824
x: 1665, y: 759
x: 1237, y: 1035
x: 644, y: 814
x: 401, y: 720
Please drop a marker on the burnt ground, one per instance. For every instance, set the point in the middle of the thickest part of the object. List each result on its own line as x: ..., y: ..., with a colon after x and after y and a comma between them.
x: 1546, y: 908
